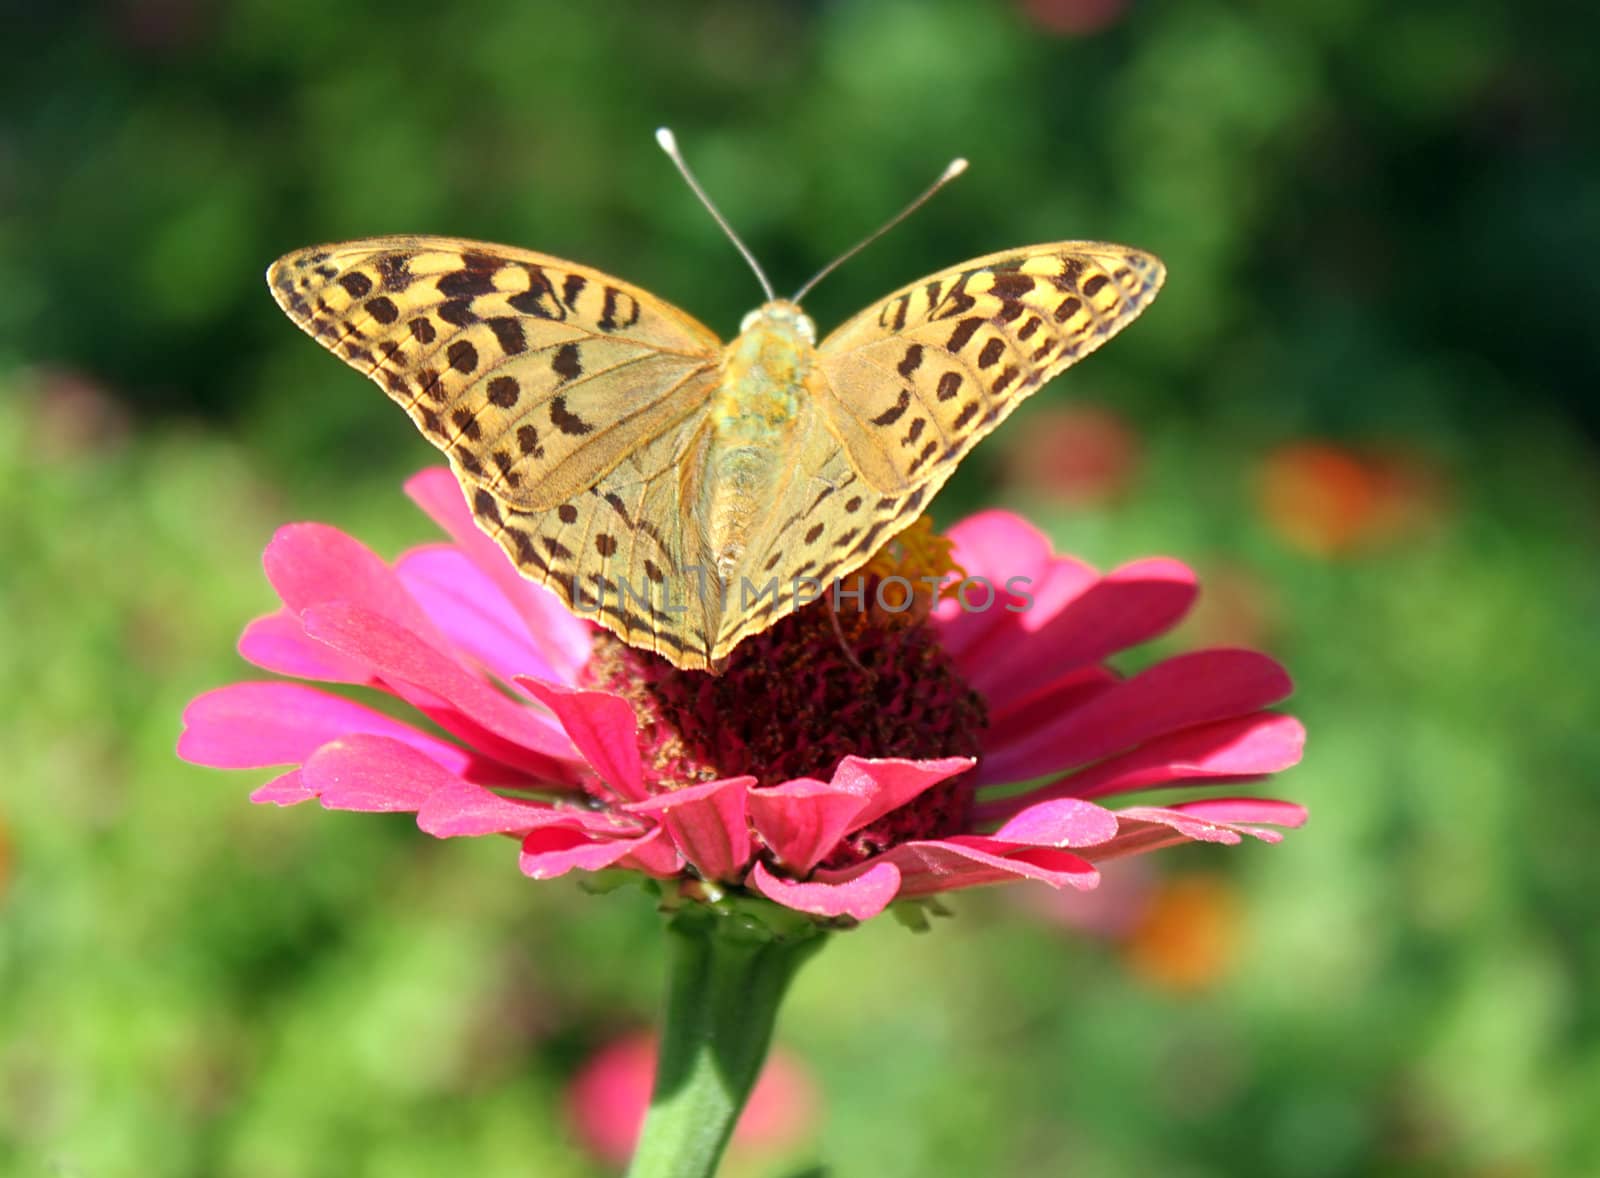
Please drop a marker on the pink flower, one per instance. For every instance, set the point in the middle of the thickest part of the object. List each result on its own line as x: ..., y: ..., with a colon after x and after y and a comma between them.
x: 608, y: 1098
x: 830, y: 768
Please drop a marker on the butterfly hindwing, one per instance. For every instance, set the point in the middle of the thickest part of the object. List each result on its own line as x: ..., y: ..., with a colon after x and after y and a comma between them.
x: 624, y: 552
x: 534, y: 375
x: 914, y: 381
x: 824, y: 525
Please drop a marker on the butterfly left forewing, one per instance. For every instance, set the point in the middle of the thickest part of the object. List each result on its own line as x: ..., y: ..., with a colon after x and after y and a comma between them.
x: 914, y: 381
x: 534, y: 375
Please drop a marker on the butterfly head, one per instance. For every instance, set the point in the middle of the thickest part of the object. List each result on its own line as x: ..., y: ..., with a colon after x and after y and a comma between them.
x: 780, y: 317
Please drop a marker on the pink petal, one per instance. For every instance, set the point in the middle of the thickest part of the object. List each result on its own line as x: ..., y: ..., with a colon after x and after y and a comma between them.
x: 1064, y: 822
x: 553, y: 851
x: 1066, y: 691
x: 1061, y: 582
x: 254, y: 725
x: 470, y: 810
x: 374, y: 773
x: 1245, y: 810
x: 278, y: 642
x: 860, y: 897
x: 654, y: 854
x: 802, y: 820
x: 314, y: 564
x: 472, y: 612
x: 968, y: 861
x: 1149, y: 828
x: 563, y: 639
x: 999, y: 544
x: 994, y: 546
x: 603, y: 727
x: 476, y: 711
x: 1128, y: 606
x: 708, y: 824
x: 890, y: 782
x: 287, y: 789
x: 1183, y: 691
x: 1021, y: 721
x: 1248, y: 746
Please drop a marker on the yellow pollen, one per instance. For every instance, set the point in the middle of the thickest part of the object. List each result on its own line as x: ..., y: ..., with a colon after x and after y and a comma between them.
x: 908, y: 576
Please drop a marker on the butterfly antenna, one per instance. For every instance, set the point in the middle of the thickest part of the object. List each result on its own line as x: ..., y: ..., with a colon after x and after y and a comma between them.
x: 957, y: 166
x: 669, y: 144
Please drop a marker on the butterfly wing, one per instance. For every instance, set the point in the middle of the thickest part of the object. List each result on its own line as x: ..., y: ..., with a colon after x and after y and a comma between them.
x: 625, y: 552
x: 825, y: 524
x: 534, y: 375
x: 917, y: 379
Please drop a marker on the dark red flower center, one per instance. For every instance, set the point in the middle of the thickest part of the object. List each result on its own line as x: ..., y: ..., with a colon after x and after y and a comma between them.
x: 822, y: 684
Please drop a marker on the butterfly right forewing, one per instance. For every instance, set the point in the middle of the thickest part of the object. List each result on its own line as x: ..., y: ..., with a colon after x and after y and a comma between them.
x: 915, y: 381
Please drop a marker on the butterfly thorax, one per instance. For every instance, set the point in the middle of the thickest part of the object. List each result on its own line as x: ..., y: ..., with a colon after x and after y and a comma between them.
x: 760, y: 401
x: 764, y: 372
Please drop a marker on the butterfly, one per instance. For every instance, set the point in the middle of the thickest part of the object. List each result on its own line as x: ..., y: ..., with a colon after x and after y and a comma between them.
x: 683, y: 492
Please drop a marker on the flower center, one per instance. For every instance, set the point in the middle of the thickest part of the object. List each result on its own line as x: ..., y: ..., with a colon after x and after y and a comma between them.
x: 860, y: 671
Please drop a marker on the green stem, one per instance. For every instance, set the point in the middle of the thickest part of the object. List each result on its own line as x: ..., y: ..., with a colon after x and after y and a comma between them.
x: 726, y: 976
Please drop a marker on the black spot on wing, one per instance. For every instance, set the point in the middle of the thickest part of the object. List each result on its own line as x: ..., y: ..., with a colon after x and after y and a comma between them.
x: 508, y: 333
x: 504, y: 391
x: 963, y: 333
x: 395, y: 270
x: 457, y: 312
x: 567, y: 363
x: 383, y: 309
x: 621, y: 310
x: 565, y: 420
x: 468, y: 283
x: 896, y: 411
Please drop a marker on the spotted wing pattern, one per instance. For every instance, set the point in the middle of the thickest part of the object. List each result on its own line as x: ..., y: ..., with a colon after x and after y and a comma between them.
x: 917, y: 379
x: 624, y: 552
x: 825, y: 525
x: 534, y: 375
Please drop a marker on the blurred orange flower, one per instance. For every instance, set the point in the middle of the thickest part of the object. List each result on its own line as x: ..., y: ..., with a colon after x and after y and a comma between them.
x: 7, y: 859
x: 1331, y: 501
x: 1186, y: 938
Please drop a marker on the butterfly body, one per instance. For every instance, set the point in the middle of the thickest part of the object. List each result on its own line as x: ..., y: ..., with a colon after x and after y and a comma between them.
x: 679, y: 491
x: 761, y: 407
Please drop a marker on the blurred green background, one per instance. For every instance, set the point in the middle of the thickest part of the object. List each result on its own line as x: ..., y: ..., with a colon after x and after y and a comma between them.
x: 1364, y: 409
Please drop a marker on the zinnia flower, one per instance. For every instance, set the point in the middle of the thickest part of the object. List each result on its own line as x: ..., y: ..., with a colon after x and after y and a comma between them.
x: 843, y: 760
